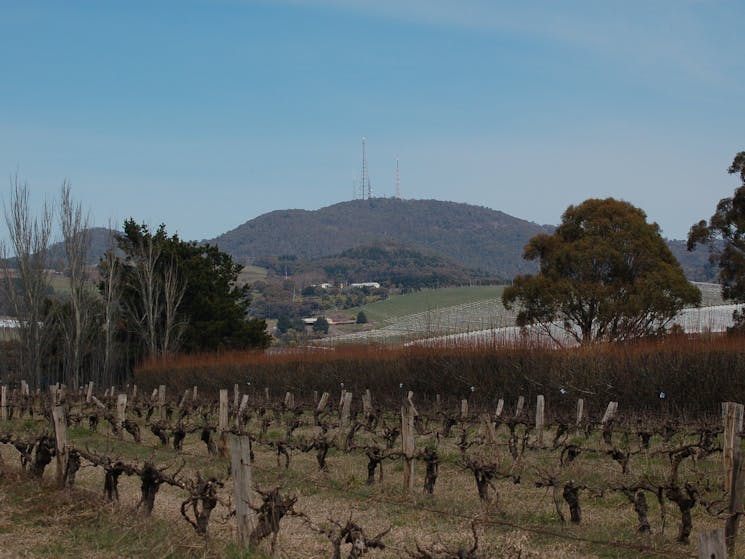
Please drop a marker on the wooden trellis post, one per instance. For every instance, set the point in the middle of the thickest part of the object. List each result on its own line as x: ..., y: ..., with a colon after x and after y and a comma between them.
x: 54, y: 394
x: 236, y: 396
x: 98, y: 403
x: 366, y: 404
x: 344, y: 423
x: 500, y: 407
x: 222, y: 423
x: 341, y: 400
x: 222, y: 419
x: 464, y: 409
x: 711, y: 545
x: 408, y: 446
x: 4, y: 402
x: 60, y: 436
x: 194, y: 393
x: 519, y: 407
x: 610, y: 412
x: 89, y: 394
x: 240, y: 468
x: 242, y: 407
x: 289, y: 401
x: 733, y: 418
x: 162, y: 400
x: 121, y: 410
x: 539, y: 404
x: 735, y: 501
x: 322, y: 402
x: 580, y: 411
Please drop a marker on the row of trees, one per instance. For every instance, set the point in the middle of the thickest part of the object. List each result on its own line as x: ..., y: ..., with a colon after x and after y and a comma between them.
x: 608, y: 275
x: 150, y: 296
x: 605, y: 275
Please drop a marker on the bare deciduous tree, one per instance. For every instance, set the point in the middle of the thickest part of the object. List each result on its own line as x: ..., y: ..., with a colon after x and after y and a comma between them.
x: 110, y: 273
x: 154, y: 278
x: 147, y: 282
x: 75, y: 324
x: 173, y: 292
x: 28, y: 284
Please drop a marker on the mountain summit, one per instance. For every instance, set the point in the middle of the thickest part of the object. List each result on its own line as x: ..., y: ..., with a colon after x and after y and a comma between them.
x: 473, y: 236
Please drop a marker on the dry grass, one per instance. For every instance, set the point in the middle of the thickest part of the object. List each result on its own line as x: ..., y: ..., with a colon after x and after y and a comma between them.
x: 520, y: 522
x: 41, y: 521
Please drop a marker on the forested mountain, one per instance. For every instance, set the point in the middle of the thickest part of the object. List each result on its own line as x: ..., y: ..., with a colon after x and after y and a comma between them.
x: 473, y: 236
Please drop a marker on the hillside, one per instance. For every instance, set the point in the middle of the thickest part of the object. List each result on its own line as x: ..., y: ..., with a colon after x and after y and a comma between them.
x: 388, y: 263
x: 475, y: 237
x: 100, y: 242
x: 695, y: 264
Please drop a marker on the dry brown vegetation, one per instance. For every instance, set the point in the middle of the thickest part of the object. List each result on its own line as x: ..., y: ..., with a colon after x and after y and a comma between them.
x: 696, y: 373
x: 527, y: 508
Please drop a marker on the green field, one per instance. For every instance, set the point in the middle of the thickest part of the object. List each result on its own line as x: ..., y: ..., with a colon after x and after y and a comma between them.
x: 438, y: 312
x: 250, y: 274
x: 60, y: 283
x: 428, y: 300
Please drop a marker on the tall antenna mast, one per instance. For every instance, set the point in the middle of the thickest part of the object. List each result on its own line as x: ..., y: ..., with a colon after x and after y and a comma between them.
x: 398, y: 181
x: 365, y: 178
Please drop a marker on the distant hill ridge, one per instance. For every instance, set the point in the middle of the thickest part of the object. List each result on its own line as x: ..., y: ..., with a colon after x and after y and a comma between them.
x: 387, y: 262
x: 473, y: 236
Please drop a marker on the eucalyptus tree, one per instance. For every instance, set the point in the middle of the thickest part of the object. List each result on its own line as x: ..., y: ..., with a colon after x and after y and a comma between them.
x: 724, y: 233
x: 606, y: 274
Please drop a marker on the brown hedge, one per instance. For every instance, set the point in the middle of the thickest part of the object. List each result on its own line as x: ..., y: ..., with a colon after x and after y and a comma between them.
x: 695, y: 374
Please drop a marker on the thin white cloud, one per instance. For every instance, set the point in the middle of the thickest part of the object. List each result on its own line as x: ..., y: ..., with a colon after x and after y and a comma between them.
x: 682, y: 39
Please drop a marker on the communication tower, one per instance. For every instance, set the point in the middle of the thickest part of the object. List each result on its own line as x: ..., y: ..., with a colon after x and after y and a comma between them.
x: 365, y: 186
x: 398, y: 181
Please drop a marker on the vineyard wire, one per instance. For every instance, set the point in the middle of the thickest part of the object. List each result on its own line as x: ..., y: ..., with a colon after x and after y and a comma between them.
x: 505, y: 523
x: 528, y: 528
x: 486, y: 522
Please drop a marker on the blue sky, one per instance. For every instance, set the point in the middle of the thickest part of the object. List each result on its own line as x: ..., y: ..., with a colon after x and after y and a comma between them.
x: 204, y: 114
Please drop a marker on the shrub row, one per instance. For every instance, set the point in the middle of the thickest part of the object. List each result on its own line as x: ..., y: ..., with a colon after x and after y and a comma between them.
x: 694, y: 374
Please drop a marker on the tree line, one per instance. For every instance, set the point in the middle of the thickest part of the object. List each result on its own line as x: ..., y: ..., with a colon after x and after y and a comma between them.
x: 606, y: 274
x: 151, y: 295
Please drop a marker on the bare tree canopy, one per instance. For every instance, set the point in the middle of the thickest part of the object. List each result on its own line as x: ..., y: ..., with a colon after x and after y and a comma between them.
x: 27, y: 284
